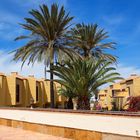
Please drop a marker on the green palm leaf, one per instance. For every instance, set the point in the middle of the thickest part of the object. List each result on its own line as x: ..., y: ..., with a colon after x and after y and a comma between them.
x: 47, y: 39
x: 83, y: 77
x: 89, y: 40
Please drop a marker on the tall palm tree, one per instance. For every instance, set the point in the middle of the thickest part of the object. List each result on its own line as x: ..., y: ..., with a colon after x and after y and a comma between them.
x: 90, y: 40
x: 47, y: 40
x: 83, y: 77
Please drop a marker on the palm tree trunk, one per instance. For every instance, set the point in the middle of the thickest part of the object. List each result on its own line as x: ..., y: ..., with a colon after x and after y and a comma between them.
x: 45, y: 70
x: 83, y: 103
x: 51, y: 86
x: 86, y: 53
x: 70, y: 103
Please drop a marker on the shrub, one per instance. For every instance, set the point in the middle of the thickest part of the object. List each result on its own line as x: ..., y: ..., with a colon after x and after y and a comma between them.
x: 134, y: 104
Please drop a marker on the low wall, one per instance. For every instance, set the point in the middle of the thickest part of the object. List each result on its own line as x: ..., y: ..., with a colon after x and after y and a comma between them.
x: 74, y: 125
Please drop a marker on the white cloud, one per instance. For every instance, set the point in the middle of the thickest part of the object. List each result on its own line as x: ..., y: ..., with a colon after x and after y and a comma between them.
x: 113, y: 20
x: 126, y: 71
x: 7, y: 66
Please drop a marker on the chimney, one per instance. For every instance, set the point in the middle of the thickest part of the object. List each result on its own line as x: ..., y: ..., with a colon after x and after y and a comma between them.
x: 132, y: 75
x: 32, y: 76
x: 14, y: 73
x: 43, y: 79
x: 1, y: 73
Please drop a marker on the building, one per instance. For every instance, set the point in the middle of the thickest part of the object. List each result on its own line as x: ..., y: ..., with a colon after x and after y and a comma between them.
x: 118, y: 93
x: 19, y: 91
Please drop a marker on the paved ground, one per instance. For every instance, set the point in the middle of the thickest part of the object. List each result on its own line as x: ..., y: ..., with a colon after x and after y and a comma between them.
x: 9, y: 133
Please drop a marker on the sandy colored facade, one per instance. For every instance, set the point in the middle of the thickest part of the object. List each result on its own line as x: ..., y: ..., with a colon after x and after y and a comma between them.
x: 119, y: 92
x: 16, y: 90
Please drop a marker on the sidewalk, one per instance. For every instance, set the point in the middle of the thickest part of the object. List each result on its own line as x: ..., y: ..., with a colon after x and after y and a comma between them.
x: 9, y: 133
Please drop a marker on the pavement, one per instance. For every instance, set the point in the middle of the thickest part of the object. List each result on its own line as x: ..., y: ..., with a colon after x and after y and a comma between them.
x: 10, y: 133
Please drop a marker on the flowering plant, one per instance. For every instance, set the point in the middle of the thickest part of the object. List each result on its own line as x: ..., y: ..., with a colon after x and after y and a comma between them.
x: 133, y: 103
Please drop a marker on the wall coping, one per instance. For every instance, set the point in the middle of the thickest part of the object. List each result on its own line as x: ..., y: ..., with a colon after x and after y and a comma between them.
x: 112, y: 124
x: 84, y: 112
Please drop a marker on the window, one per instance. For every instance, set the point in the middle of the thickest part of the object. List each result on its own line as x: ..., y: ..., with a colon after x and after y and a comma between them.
x: 37, y: 94
x: 102, y: 97
x: 129, y: 91
x: 17, y: 93
x: 123, y: 89
x: 113, y: 93
x: 129, y: 82
x: 105, y: 91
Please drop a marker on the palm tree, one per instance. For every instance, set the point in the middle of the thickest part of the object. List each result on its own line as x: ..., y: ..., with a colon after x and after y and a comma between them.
x: 47, y: 40
x: 66, y: 92
x: 90, y: 40
x: 83, y: 77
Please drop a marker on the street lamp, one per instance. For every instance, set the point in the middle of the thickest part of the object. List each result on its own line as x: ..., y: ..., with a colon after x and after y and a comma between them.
x: 31, y: 102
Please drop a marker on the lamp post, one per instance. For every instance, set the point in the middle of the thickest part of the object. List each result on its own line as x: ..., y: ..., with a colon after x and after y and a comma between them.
x: 31, y: 102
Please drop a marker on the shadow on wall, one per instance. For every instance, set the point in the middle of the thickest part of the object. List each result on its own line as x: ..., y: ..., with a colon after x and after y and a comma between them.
x: 28, y: 94
x: 8, y: 98
x: 44, y: 95
x: 16, y: 91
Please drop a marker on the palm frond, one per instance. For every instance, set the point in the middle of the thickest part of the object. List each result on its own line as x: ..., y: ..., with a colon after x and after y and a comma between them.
x: 47, y: 35
x: 85, y: 76
x: 89, y: 40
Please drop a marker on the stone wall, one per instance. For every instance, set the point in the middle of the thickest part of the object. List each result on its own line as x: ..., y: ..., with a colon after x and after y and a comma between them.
x: 73, y: 124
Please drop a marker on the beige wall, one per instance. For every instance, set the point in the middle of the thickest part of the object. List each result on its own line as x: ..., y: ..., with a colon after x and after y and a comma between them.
x: 137, y: 86
x: 27, y: 91
x: 32, y: 88
x: 10, y: 90
x: 122, y: 89
x: 106, y: 100
x: 45, y: 86
x: 2, y: 90
x: 112, y: 124
x: 22, y: 93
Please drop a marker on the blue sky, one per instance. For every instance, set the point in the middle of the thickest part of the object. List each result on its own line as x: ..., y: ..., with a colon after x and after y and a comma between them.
x: 121, y: 18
